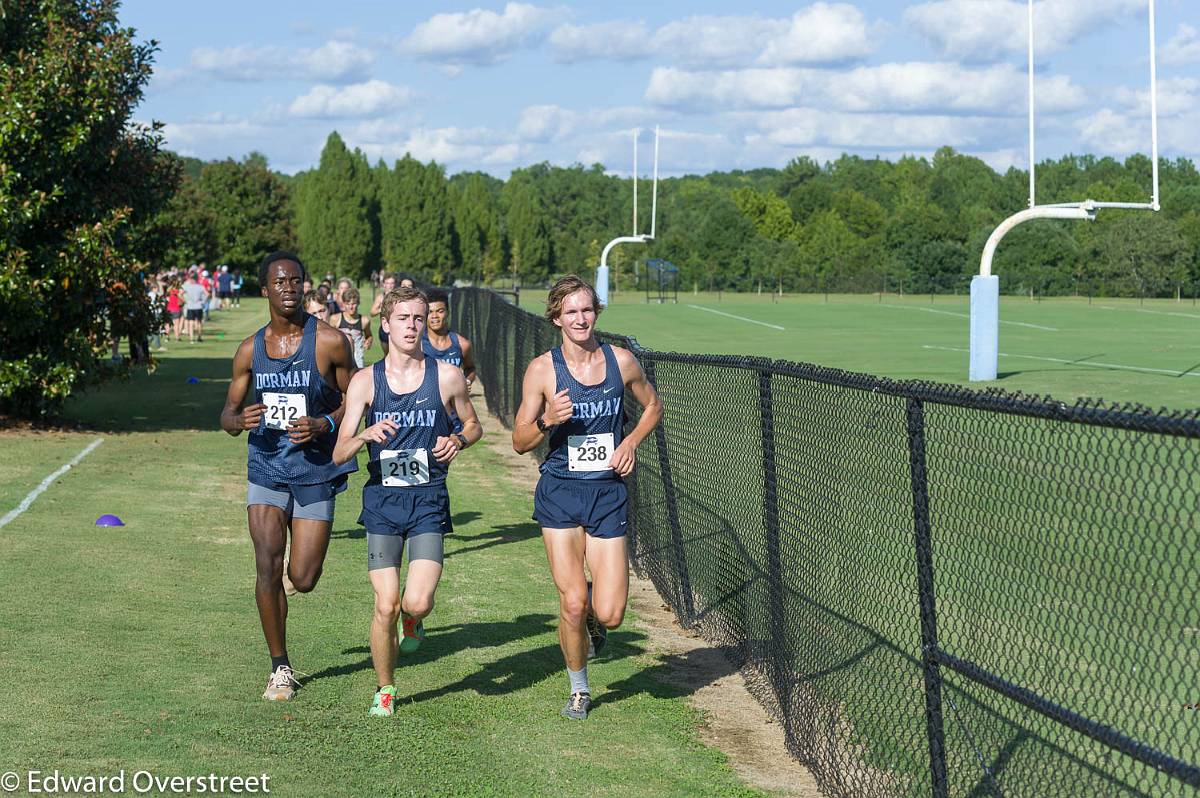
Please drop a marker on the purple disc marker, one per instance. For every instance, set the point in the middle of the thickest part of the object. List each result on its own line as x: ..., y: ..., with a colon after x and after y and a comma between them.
x: 109, y: 520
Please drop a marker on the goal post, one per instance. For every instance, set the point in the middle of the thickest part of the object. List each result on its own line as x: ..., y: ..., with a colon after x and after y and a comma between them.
x: 636, y: 238
x: 985, y: 287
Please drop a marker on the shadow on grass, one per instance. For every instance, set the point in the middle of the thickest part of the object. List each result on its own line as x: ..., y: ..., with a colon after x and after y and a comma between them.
x: 676, y: 675
x: 162, y: 401
x: 523, y: 669
x: 447, y: 641
x: 497, y: 536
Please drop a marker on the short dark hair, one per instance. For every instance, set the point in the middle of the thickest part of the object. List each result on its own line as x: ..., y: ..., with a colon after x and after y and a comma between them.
x: 438, y: 295
x: 278, y: 255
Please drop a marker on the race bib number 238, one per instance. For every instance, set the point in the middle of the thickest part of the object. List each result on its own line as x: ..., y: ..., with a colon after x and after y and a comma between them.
x: 283, y: 409
x: 590, y: 452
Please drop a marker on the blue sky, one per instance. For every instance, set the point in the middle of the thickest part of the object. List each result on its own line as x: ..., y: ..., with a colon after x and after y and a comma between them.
x: 494, y: 86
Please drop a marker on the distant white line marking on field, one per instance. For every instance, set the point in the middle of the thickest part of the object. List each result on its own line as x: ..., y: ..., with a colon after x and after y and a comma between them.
x: 965, y: 316
x: 1155, y: 312
x: 739, y: 318
x: 47, y: 482
x: 1083, y: 362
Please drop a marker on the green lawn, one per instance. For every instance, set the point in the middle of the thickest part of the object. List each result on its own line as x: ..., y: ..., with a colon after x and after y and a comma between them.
x: 1115, y: 349
x: 139, y: 647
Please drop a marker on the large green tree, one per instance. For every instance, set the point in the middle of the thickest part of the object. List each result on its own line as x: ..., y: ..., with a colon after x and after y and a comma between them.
x: 334, y: 209
x: 248, y: 204
x: 80, y: 187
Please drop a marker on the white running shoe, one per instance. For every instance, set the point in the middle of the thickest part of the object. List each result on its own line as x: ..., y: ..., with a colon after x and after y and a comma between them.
x: 281, y: 685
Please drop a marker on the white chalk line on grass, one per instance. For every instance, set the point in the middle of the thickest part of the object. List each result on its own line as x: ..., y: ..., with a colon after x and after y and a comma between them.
x: 47, y: 482
x: 739, y: 318
x: 1083, y: 362
x: 966, y: 316
x: 1155, y: 312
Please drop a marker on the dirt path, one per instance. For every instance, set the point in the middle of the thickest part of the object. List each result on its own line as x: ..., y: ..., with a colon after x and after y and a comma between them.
x: 734, y: 721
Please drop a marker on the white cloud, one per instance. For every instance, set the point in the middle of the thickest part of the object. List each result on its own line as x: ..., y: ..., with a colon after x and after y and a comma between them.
x: 823, y: 33
x: 334, y: 61
x: 806, y: 127
x: 1109, y: 132
x: 616, y: 41
x: 716, y: 41
x: 542, y: 123
x: 462, y: 148
x: 1184, y: 47
x: 479, y: 36
x: 1176, y: 96
x: 910, y: 87
x: 985, y: 30
x: 371, y: 98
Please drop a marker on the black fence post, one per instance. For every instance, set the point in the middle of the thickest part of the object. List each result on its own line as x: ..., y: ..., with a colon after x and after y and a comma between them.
x: 686, y: 603
x: 929, y: 639
x: 776, y: 643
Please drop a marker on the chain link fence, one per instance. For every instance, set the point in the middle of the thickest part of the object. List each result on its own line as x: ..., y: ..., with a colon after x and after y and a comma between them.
x: 935, y: 591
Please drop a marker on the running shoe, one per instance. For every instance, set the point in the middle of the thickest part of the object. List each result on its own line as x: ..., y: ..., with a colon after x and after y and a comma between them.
x: 281, y: 685
x: 577, y: 706
x: 385, y: 702
x: 412, y: 632
x: 597, y: 633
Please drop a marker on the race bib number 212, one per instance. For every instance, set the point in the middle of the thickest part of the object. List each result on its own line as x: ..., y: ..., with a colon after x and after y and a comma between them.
x: 283, y: 409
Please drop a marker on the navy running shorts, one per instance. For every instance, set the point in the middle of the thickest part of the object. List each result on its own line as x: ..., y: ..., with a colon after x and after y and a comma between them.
x: 600, y: 506
x: 406, y: 511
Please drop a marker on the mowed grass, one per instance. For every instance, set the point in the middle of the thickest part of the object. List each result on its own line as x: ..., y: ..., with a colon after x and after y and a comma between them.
x: 139, y: 647
x: 1120, y: 350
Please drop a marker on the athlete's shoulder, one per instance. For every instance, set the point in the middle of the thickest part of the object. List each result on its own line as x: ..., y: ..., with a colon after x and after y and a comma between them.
x: 462, y: 339
x: 328, y: 336
x: 246, y: 347
x: 363, y: 376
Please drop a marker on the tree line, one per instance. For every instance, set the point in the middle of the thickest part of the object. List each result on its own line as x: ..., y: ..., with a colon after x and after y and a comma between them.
x: 853, y: 224
x: 91, y: 204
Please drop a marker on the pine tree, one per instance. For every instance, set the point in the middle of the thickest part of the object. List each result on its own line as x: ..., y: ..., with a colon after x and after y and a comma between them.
x: 334, y: 219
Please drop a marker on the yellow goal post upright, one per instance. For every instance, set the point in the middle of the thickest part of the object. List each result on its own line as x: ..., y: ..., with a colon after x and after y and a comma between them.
x: 636, y: 238
x: 985, y: 287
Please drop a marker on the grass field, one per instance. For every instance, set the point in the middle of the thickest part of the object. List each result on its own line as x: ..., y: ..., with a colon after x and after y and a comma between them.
x: 1115, y: 349
x: 139, y: 647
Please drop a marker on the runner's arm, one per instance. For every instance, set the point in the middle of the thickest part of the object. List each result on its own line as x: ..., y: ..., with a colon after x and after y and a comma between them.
x: 358, y: 398
x: 234, y: 420
x: 454, y: 386
x: 634, y: 379
x: 538, y: 384
x: 468, y: 363
x: 366, y: 328
x: 341, y: 360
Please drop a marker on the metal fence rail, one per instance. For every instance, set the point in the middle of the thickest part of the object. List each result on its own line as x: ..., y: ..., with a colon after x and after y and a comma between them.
x: 936, y: 591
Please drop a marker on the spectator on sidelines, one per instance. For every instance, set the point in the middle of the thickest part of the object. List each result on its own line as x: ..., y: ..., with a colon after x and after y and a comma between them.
x: 387, y: 284
x: 575, y: 395
x: 175, y: 307
x: 224, y: 287
x: 354, y: 326
x: 194, y: 299
x: 237, y: 288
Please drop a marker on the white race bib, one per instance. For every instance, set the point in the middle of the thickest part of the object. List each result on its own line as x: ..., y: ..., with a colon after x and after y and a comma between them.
x: 403, y: 468
x: 283, y: 409
x: 590, y: 452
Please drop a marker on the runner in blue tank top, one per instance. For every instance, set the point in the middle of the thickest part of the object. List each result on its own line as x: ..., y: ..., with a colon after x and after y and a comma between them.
x: 409, y: 400
x: 440, y: 342
x: 294, y: 372
x: 575, y: 394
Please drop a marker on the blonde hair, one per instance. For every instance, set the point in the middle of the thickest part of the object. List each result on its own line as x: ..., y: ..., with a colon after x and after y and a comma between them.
x: 564, y: 288
x: 406, y: 294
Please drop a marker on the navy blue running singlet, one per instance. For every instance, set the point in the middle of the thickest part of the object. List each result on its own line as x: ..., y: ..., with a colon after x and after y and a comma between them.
x: 292, y: 387
x: 407, y: 458
x: 452, y: 354
x: 580, y: 446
